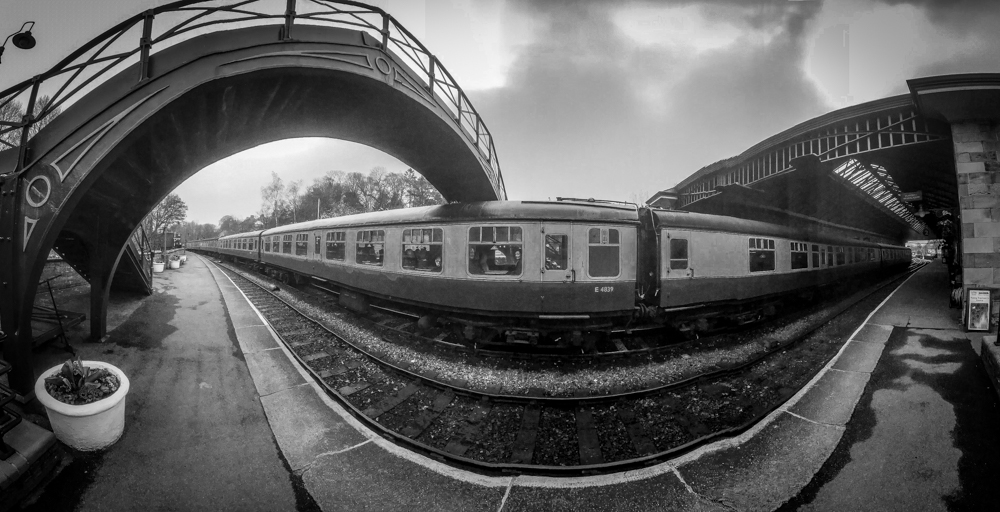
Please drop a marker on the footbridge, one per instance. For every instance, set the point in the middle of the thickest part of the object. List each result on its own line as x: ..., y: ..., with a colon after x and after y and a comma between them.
x: 153, y: 100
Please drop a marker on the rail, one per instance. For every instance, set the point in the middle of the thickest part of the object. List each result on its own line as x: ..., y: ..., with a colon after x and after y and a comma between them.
x: 133, y: 40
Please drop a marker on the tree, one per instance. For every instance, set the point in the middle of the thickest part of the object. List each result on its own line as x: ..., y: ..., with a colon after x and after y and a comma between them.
x: 13, y: 112
x: 292, y: 192
x: 170, y: 210
x: 270, y: 196
x: 419, y: 191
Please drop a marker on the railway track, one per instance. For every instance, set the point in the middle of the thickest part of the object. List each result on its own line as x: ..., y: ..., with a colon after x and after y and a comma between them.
x: 485, y: 426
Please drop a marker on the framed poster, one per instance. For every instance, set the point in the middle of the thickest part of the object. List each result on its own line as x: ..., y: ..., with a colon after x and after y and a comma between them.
x: 977, y: 313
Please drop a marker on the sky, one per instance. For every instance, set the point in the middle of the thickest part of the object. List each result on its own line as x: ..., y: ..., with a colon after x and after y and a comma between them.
x: 612, y: 100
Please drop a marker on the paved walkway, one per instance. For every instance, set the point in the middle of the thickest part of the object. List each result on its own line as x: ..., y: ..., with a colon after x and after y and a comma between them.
x: 924, y: 435
x: 196, y: 435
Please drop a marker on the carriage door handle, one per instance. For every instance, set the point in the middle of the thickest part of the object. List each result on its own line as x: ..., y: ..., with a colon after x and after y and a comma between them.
x: 573, y: 274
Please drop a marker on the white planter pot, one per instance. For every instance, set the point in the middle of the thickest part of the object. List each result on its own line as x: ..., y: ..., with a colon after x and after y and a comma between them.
x: 175, y: 264
x: 157, y: 267
x: 90, y: 426
x: 184, y: 259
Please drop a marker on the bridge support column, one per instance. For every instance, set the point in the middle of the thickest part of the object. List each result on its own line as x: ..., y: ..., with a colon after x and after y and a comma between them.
x: 103, y: 262
x: 976, y: 147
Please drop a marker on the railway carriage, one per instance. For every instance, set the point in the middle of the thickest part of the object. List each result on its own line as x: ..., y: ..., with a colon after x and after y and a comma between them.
x: 707, y: 260
x: 568, y: 267
x: 537, y: 265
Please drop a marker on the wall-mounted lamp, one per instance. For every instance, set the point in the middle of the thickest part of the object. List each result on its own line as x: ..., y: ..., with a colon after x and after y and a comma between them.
x: 22, y: 38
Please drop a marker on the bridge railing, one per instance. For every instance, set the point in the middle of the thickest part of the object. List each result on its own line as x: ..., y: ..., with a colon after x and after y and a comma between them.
x: 143, y: 251
x: 29, y: 105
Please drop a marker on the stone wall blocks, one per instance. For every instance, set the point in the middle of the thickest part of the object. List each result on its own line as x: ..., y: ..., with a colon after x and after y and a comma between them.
x: 981, y: 202
x: 978, y: 215
x: 986, y: 229
x: 991, y: 145
x: 991, y: 166
x: 964, y: 157
x: 995, y: 214
x: 976, y: 245
x: 964, y: 128
x: 979, y: 178
x: 978, y: 276
x: 967, y: 230
x: 969, y: 147
x: 968, y: 167
x: 974, y: 189
x: 976, y: 157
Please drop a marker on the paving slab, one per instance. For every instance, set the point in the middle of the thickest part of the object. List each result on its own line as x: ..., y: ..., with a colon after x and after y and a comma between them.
x: 305, y: 426
x: 272, y: 371
x: 664, y: 491
x: 859, y: 357
x: 766, y: 470
x: 255, y: 338
x: 873, y: 333
x: 368, y: 477
x: 832, y: 399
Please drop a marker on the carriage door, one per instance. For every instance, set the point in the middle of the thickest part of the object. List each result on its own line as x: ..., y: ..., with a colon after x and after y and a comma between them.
x: 676, y: 255
x: 317, y: 252
x: 557, y: 256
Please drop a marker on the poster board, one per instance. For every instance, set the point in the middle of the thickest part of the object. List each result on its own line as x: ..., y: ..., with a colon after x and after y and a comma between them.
x: 977, y: 309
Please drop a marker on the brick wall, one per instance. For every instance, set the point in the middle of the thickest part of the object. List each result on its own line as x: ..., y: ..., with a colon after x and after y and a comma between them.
x: 976, y: 146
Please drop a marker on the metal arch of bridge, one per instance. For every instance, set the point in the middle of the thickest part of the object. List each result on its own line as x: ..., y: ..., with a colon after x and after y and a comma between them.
x: 850, y: 144
x: 137, y: 123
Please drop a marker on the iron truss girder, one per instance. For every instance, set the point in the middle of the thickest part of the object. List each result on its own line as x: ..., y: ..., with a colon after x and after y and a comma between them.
x: 879, y: 186
x: 894, y: 126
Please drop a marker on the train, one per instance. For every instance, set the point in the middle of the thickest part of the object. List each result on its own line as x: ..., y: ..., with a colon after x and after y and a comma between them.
x: 559, y: 271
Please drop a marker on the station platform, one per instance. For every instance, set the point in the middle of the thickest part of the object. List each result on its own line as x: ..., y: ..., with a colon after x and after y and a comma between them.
x: 220, y: 417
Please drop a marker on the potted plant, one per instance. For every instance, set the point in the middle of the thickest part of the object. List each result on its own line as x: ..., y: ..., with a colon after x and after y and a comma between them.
x: 85, y: 402
x: 175, y: 261
x: 157, y: 263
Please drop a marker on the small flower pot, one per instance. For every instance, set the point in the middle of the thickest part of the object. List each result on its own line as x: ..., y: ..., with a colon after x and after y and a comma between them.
x: 90, y: 426
x: 175, y: 263
x: 157, y: 267
x: 184, y: 259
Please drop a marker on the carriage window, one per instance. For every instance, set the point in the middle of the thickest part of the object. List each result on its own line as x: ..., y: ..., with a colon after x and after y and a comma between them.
x: 556, y: 249
x: 286, y: 244
x: 678, y: 254
x: 840, y: 256
x: 301, y: 244
x: 335, y: 245
x: 495, y: 250
x: 829, y: 255
x: 422, y: 249
x: 371, y: 247
x: 800, y: 255
x: 604, y: 246
x: 267, y: 244
x: 761, y: 255
x: 316, y: 248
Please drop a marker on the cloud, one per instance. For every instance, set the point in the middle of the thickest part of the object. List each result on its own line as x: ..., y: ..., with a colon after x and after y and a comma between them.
x: 590, y: 110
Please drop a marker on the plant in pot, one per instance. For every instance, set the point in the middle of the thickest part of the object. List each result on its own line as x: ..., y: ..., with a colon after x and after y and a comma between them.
x: 175, y: 261
x: 85, y: 402
x: 158, y: 263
